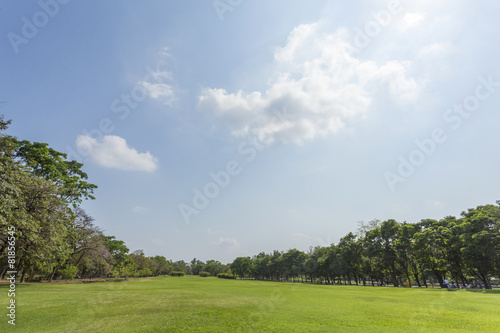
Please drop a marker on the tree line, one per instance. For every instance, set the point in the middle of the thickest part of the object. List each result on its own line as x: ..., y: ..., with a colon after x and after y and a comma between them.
x: 44, y: 232
x: 465, y: 250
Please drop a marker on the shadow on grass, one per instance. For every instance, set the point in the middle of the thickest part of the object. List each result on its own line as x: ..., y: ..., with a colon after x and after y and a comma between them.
x: 484, y: 291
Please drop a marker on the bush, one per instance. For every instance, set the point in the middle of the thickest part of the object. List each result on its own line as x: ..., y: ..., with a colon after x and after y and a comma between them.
x: 226, y: 276
x: 145, y: 272
x: 204, y: 274
x: 69, y: 272
x: 177, y: 273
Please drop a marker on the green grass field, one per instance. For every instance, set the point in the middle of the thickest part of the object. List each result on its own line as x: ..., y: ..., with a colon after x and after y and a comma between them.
x: 195, y: 304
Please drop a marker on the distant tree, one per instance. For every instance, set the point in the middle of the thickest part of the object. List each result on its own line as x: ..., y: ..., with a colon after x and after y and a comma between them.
x: 161, y: 266
x: 125, y: 268
x: 116, y: 248
x: 197, y: 266
x: 430, y: 249
x: 294, y: 263
x: 242, y: 266
x: 179, y: 266
x: 350, y: 257
x: 261, y: 267
x: 90, y: 253
x: 481, y: 241
x: 215, y: 267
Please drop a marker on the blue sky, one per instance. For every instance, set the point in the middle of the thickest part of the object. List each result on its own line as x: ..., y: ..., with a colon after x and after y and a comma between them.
x: 310, y: 117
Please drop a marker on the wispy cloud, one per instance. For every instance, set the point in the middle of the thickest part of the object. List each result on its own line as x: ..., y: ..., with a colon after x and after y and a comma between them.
x: 140, y: 209
x: 229, y: 243
x: 411, y: 20
x: 158, y: 89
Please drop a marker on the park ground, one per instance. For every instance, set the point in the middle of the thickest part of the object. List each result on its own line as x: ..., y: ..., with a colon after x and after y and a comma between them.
x: 196, y: 304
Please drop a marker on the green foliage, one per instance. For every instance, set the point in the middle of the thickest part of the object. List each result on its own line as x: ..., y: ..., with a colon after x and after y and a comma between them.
x: 226, y: 276
x: 38, y: 189
x: 160, y: 266
x: 125, y: 268
x: 43, y: 161
x: 69, y: 273
x: 145, y: 272
x: 116, y: 248
x: 177, y: 273
x: 215, y: 267
x: 204, y: 274
x: 242, y: 266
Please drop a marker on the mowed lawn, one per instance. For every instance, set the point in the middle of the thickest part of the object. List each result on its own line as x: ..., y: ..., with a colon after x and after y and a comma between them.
x: 195, y: 304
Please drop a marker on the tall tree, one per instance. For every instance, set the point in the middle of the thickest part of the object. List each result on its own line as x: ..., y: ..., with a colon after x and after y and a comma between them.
x: 242, y: 266
x: 481, y: 241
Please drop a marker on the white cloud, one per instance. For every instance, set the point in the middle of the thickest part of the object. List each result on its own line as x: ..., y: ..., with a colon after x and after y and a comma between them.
x: 399, y: 84
x: 229, y: 243
x: 318, y: 81
x: 213, y: 232
x: 113, y: 152
x: 435, y: 49
x: 160, y: 90
x: 158, y: 82
x: 302, y: 236
x: 411, y: 20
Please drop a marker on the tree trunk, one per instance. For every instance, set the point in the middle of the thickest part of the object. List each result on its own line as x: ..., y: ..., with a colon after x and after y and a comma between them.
x: 4, y: 271
x: 53, y: 273
x: 83, y: 252
x: 394, y: 279
x: 486, y: 280
x: 31, y: 275
x: 464, y: 279
x: 440, y: 280
x: 415, y: 276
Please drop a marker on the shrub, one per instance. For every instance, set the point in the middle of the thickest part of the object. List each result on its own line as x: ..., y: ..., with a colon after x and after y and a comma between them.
x: 69, y: 272
x: 177, y: 273
x: 145, y: 272
x: 204, y: 274
x: 226, y: 276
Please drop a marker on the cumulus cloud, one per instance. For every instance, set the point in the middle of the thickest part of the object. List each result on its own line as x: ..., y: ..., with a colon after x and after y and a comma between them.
x: 317, y: 81
x: 113, y: 152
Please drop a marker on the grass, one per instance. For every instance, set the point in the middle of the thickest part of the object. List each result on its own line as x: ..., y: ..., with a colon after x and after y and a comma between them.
x: 194, y: 304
